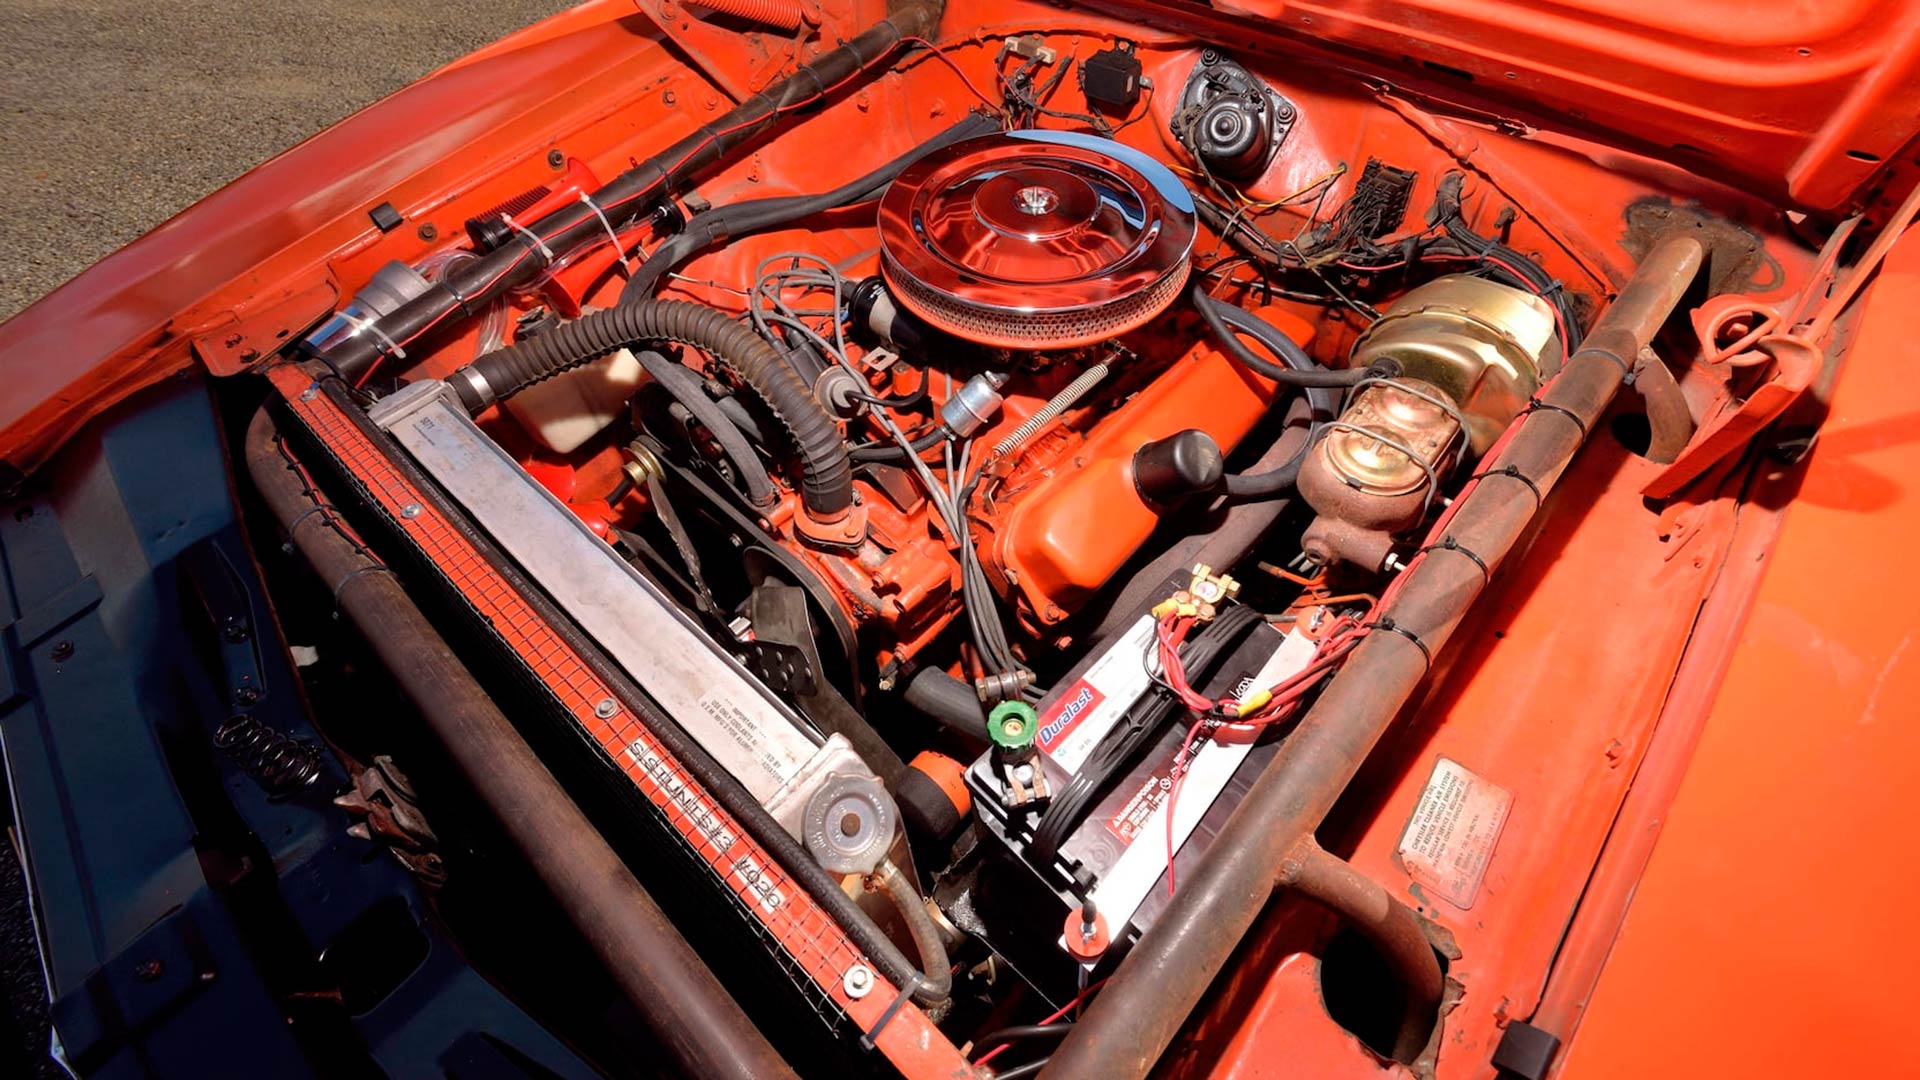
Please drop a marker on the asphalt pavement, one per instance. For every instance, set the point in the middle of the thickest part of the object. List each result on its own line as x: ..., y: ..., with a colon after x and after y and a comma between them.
x: 115, y: 115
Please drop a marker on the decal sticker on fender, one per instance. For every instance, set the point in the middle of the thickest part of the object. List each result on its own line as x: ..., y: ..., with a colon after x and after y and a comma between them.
x: 1449, y: 840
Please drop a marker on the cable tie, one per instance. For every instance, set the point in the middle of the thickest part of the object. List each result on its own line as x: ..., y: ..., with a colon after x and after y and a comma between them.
x: 869, y: 1038
x: 354, y: 573
x: 1536, y: 405
x: 466, y: 305
x: 369, y: 326
x: 1448, y: 543
x: 612, y: 237
x: 1385, y: 622
x: 539, y: 245
x: 317, y: 508
x: 1513, y: 472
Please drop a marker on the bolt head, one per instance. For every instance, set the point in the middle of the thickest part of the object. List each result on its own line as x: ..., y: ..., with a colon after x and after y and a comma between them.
x: 427, y: 231
x: 606, y: 708
x: 62, y: 651
x: 857, y: 982
x: 410, y: 511
x: 556, y: 159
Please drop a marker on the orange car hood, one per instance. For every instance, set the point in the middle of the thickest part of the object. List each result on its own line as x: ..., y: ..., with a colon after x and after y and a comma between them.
x: 1801, y: 103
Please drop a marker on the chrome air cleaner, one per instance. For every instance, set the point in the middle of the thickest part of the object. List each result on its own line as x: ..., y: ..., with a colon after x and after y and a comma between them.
x: 1036, y: 239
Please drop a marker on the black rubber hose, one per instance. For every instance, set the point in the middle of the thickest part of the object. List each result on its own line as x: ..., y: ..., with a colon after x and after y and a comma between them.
x: 672, y: 990
x: 1263, y: 485
x: 947, y: 700
x: 1300, y: 370
x: 1227, y: 322
x: 715, y: 226
x: 475, y: 282
x: 1021, y: 1072
x: 826, y: 474
x: 1222, y: 535
x: 685, y: 387
x: 936, y: 974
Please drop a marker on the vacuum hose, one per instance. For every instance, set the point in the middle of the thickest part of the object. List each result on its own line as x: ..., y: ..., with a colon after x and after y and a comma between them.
x: 827, y: 476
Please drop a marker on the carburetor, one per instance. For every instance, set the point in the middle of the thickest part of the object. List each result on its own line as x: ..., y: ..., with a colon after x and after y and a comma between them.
x: 1471, y: 352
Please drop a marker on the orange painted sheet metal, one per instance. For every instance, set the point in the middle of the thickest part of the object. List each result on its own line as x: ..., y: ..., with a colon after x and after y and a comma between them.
x: 808, y: 934
x: 1768, y: 936
x: 596, y: 83
x: 1545, y: 703
x: 1801, y: 102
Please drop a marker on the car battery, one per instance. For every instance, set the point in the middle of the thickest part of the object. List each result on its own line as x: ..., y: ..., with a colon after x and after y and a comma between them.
x: 1115, y: 851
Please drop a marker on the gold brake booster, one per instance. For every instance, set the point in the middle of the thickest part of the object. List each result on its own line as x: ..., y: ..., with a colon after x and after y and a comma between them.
x: 1471, y: 353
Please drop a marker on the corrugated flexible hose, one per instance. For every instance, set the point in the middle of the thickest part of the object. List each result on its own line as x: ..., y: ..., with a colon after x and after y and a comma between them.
x: 827, y: 475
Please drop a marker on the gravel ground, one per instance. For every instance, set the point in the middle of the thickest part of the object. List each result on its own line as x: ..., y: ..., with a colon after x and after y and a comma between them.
x: 117, y: 114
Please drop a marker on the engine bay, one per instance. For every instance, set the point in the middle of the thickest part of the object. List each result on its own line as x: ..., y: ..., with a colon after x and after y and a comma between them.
x: 978, y: 506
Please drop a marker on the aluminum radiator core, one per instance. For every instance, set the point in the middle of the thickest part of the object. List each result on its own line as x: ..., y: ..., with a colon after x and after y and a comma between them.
x: 1036, y: 239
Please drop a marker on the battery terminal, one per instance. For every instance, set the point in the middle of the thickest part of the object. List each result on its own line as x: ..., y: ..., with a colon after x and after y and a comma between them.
x: 1203, y: 597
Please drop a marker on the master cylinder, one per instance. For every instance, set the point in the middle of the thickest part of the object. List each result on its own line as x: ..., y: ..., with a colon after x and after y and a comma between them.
x: 1471, y: 352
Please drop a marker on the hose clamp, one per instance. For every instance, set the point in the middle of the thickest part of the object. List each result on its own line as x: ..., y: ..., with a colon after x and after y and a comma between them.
x: 477, y: 393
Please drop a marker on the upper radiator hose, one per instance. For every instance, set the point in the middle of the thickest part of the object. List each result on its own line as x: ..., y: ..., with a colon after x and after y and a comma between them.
x: 827, y: 484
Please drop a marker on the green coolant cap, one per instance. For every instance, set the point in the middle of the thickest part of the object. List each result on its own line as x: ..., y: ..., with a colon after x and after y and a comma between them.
x: 1012, y: 725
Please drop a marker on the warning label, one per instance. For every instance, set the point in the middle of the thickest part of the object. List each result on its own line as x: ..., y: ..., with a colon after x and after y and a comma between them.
x: 1450, y: 838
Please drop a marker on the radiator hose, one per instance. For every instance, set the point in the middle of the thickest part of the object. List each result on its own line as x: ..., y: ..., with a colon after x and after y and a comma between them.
x: 827, y: 476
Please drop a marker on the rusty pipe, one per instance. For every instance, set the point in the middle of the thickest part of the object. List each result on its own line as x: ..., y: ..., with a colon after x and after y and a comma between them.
x: 1669, y: 421
x: 671, y: 988
x: 1391, y: 925
x: 1148, y: 998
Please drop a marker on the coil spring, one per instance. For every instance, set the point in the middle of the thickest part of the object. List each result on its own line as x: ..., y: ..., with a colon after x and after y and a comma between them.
x: 276, y: 761
x: 1058, y: 404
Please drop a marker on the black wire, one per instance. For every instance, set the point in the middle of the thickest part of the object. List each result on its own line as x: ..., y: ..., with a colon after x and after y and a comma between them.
x: 328, y: 513
x: 1019, y: 1072
x: 1023, y: 1033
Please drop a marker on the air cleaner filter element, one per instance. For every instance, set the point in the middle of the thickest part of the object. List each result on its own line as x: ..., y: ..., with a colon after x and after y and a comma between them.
x: 1036, y: 239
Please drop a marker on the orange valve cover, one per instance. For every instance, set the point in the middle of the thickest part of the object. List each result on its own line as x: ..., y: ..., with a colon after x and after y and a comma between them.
x: 1073, y: 530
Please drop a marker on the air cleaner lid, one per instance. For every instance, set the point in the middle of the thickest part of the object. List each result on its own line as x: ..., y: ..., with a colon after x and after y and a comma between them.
x: 1036, y: 239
